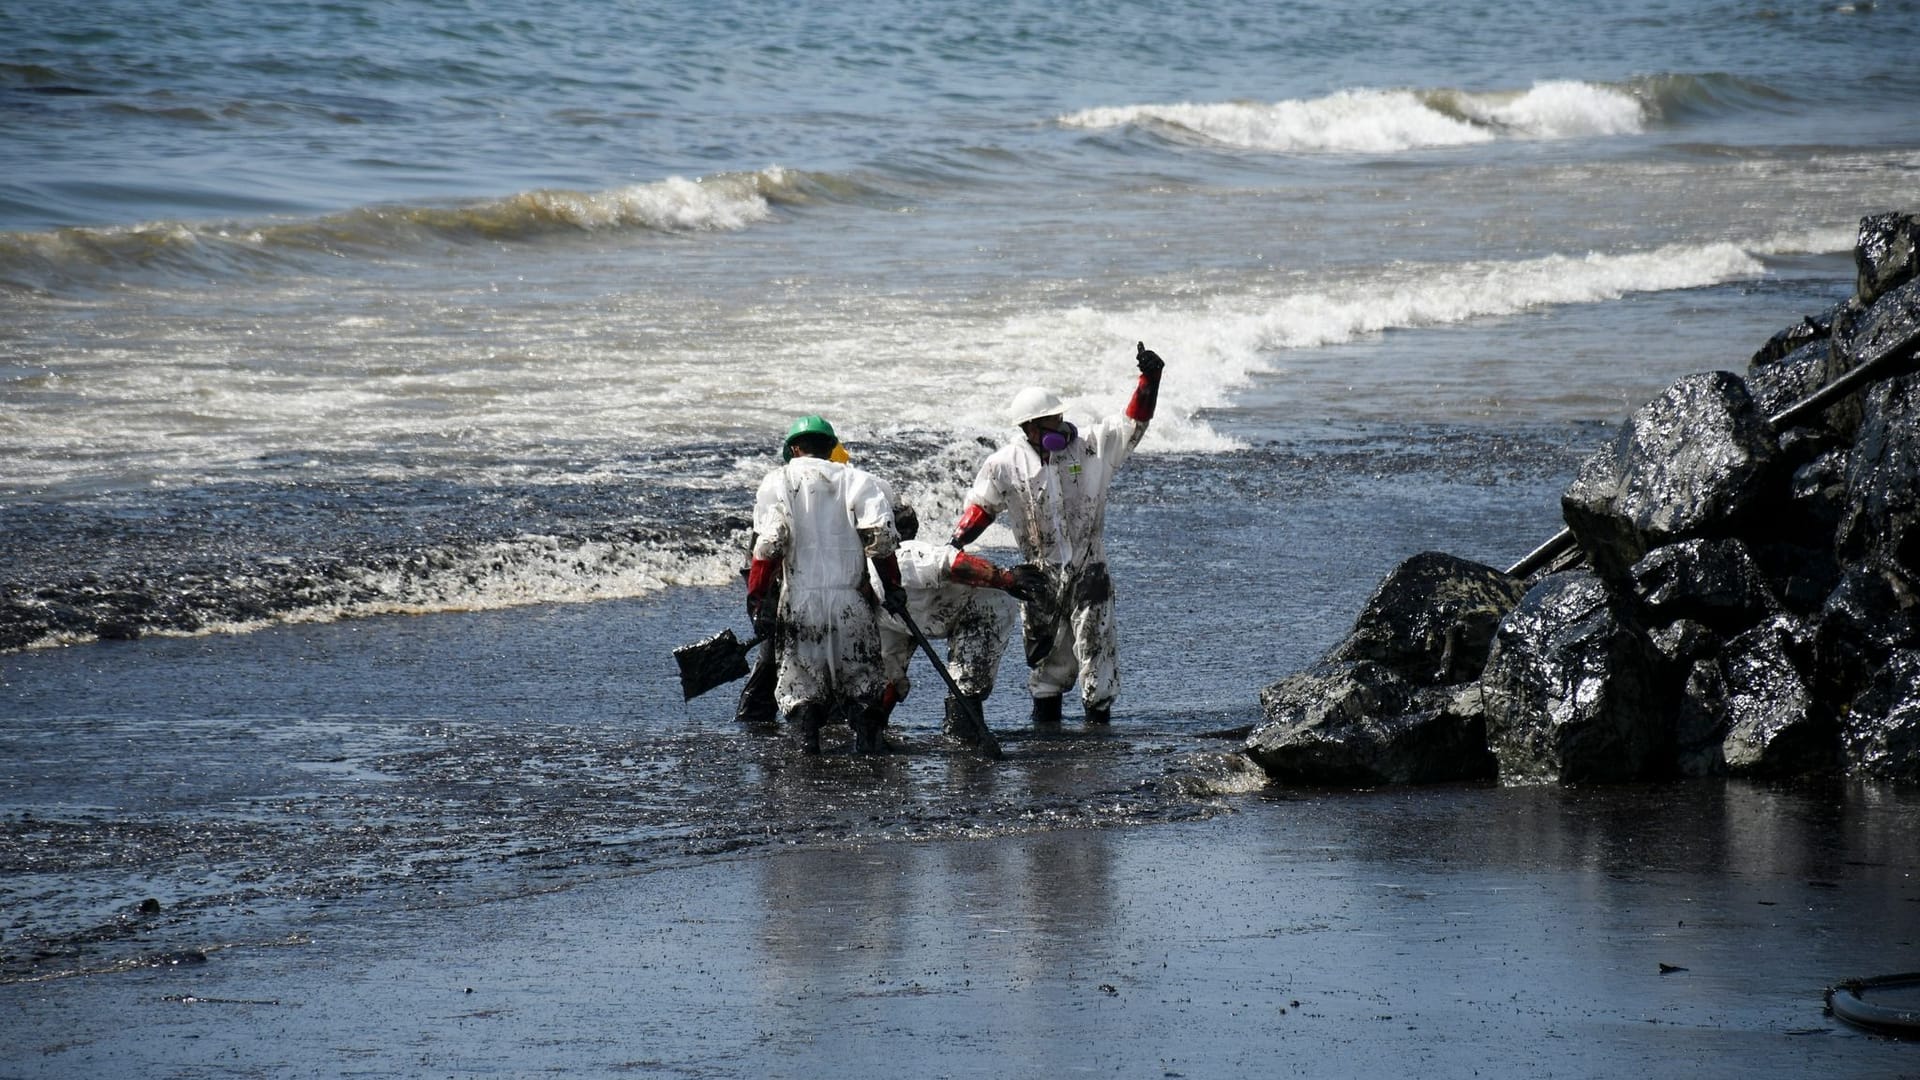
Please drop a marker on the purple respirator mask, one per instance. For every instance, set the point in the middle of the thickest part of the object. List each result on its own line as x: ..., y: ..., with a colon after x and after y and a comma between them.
x: 1055, y: 441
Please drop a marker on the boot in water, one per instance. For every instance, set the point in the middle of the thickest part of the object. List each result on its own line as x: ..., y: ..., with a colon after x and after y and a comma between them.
x: 1046, y: 711
x: 958, y: 724
x: 806, y: 722
x: 869, y: 731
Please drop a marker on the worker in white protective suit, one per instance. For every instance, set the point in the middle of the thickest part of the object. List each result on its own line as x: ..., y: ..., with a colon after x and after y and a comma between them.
x: 757, y: 707
x: 1051, y: 486
x: 817, y: 524
x: 961, y: 599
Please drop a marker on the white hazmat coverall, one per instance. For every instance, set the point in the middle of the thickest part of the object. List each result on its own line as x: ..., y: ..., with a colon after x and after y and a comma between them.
x: 822, y: 521
x: 1057, y: 511
x: 975, y: 621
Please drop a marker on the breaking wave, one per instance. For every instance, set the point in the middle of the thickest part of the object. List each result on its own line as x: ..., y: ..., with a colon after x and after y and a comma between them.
x: 724, y: 202
x: 1385, y: 121
x: 1230, y: 339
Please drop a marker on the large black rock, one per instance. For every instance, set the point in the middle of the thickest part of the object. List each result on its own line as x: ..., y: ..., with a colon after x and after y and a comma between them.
x: 1886, y: 254
x: 1573, y: 691
x: 1700, y: 722
x: 1692, y: 463
x: 1683, y: 641
x: 1884, y: 330
x: 1817, y: 497
x: 1359, y: 724
x: 1883, y: 478
x: 1774, y: 723
x: 1432, y: 619
x: 1810, y: 329
x: 1880, y: 735
x: 1715, y: 582
x: 1872, y: 614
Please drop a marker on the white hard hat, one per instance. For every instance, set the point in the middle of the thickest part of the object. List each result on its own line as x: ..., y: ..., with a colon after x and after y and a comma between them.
x: 1033, y: 403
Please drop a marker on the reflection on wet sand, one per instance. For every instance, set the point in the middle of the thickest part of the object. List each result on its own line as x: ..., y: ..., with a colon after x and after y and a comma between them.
x: 1509, y: 930
x: 853, y: 938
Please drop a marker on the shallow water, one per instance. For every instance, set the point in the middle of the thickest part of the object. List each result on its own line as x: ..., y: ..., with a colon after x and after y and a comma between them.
x: 375, y: 761
x: 344, y: 826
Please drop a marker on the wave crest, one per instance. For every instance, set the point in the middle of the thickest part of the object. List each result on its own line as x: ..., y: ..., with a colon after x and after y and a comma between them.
x: 727, y: 202
x: 62, y: 258
x: 1351, y: 121
x: 1558, y: 109
x: 1384, y: 121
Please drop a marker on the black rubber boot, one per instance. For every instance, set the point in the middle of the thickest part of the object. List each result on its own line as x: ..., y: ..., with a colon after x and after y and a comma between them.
x: 958, y: 725
x: 1046, y: 710
x: 1101, y: 713
x: 806, y: 722
x: 869, y: 729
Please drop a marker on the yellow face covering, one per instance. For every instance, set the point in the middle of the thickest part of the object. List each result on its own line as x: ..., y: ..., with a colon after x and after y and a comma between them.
x: 839, y: 455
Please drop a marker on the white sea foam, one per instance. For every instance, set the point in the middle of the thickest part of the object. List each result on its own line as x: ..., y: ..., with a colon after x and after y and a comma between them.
x: 541, y: 569
x: 1218, y: 344
x: 515, y: 573
x: 1558, y: 109
x: 1374, y: 121
x: 1820, y: 241
x: 676, y: 204
x: 1351, y: 121
x: 890, y: 366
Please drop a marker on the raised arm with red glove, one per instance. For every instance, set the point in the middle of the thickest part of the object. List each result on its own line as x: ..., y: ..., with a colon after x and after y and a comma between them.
x: 973, y: 521
x: 1146, y: 394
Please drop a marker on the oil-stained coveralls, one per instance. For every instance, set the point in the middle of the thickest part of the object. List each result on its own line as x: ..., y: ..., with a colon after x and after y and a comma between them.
x: 757, y: 707
x: 953, y: 596
x: 1051, y: 487
x: 817, y: 523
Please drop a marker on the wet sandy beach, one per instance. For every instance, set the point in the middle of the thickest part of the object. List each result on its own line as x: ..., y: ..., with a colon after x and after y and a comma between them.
x: 1439, y: 933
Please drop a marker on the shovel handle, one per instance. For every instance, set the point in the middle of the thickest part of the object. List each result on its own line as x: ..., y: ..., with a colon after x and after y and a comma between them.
x: 989, y: 745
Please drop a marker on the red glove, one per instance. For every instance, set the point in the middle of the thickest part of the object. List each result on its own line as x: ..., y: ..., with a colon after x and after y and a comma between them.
x: 761, y: 576
x: 1146, y: 393
x: 973, y: 521
x: 979, y: 573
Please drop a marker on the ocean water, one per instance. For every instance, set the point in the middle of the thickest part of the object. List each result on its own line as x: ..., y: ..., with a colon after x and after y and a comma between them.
x: 441, y: 305
x: 352, y: 353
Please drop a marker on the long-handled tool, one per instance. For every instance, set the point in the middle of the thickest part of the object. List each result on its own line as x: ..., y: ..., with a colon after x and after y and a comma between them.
x: 966, y: 709
x: 716, y: 661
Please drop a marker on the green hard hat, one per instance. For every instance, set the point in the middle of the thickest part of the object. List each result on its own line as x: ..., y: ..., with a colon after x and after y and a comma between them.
x: 806, y: 425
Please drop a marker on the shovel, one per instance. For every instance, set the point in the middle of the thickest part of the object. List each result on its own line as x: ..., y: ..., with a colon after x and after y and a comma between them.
x: 716, y: 661
x: 965, y: 708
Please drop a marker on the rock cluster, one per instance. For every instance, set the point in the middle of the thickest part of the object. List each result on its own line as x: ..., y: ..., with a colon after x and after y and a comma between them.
x: 1737, y: 591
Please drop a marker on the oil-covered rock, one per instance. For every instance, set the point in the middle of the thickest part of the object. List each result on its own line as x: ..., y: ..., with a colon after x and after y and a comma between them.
x: 1749, y: 602
x: 1572, y: 691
